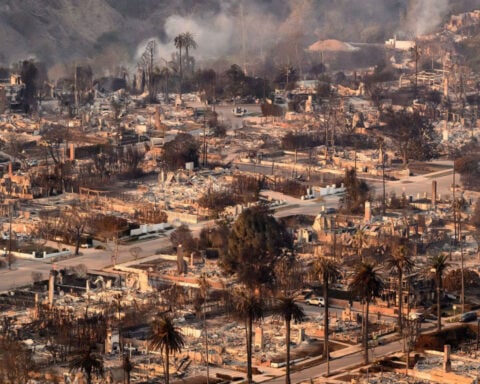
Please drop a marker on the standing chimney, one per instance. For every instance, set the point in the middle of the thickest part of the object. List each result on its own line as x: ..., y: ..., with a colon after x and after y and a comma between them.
x: 301, y: 335
x: 10, y: 171
x: 447, y: 364
x: 434, y: 194
x: 368, y: 212
x: 35, y: 307
x: 51, y: 287
x: 108, y: 341
x: 72, y: 152
x: 180, y: 264
x: 259, y: 339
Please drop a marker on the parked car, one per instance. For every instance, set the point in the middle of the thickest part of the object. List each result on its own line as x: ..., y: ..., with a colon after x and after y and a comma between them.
x: 468, y: 316
x: 419, y: 316
x: 320, y: 301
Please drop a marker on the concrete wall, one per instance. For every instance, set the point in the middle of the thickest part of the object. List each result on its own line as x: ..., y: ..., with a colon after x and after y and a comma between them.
x: 373, y: 308
x: 147, y: 228
x: 45, y: 254
x: 183, y: 217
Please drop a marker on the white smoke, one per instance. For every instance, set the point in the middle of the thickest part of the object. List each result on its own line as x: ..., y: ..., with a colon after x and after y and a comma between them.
x: 213, y: 36
x: 221, y: 35
x: 424, y: 16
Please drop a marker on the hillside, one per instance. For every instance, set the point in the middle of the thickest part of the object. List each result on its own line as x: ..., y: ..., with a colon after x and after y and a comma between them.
x: 114, y: 31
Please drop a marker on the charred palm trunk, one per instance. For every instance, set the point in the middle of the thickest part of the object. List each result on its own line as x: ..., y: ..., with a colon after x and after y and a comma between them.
x: 287, y: 340
x: 167, y: 364
x: 439, y: 319
x: 365, y: 333
x: 400, y: 301
x: 249, y: 349
x: 326, y: 325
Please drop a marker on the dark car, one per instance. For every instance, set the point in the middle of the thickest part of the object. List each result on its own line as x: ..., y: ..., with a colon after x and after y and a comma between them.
x: 468, y: 316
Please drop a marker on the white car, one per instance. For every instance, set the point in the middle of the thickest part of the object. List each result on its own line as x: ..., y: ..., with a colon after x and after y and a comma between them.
x: 320, y: 301
x: 419, y: 316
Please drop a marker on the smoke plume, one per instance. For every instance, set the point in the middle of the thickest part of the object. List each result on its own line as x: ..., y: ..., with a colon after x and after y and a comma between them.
x: 424, y: 16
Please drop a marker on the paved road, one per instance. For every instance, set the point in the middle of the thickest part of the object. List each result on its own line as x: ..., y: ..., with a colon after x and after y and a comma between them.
x: 94, y: 259
x: 98, y: 259
x: 226, y: 116
x: 342, y: 363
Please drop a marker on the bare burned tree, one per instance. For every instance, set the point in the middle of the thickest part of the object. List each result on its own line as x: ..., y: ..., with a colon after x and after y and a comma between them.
x: 135, y: 251
x: 147, y: 64
x: 74, y: 223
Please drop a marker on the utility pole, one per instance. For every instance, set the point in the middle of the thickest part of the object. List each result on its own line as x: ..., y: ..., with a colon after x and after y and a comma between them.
x: 415, y: 52
x: 355, y: 160
x: 204, y: 138
x: 454, y: 208
x: 75, y: 88
x: 10, y: 214
x: 206, y: 335
x: 381, y: 153
x: 462, y: 298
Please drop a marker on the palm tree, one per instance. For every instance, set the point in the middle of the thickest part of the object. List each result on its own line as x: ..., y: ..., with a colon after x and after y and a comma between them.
x: 438, y: 264
x: 367, y: 284
x: 249, y: 308
x: 188, y: 42
x: 167, y: 338
x: 400, y: 263
x: 127, y: 366
x: 204, y: 286
x: 328, y: 272
x: 179, y: 42
x: 89, y: 362
x: 288, y: 310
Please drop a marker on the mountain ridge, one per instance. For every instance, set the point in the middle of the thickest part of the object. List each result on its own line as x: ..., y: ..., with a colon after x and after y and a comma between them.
x: 108, y: 31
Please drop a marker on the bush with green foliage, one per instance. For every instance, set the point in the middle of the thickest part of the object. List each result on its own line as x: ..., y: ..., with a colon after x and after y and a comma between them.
x: 257, y: 242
